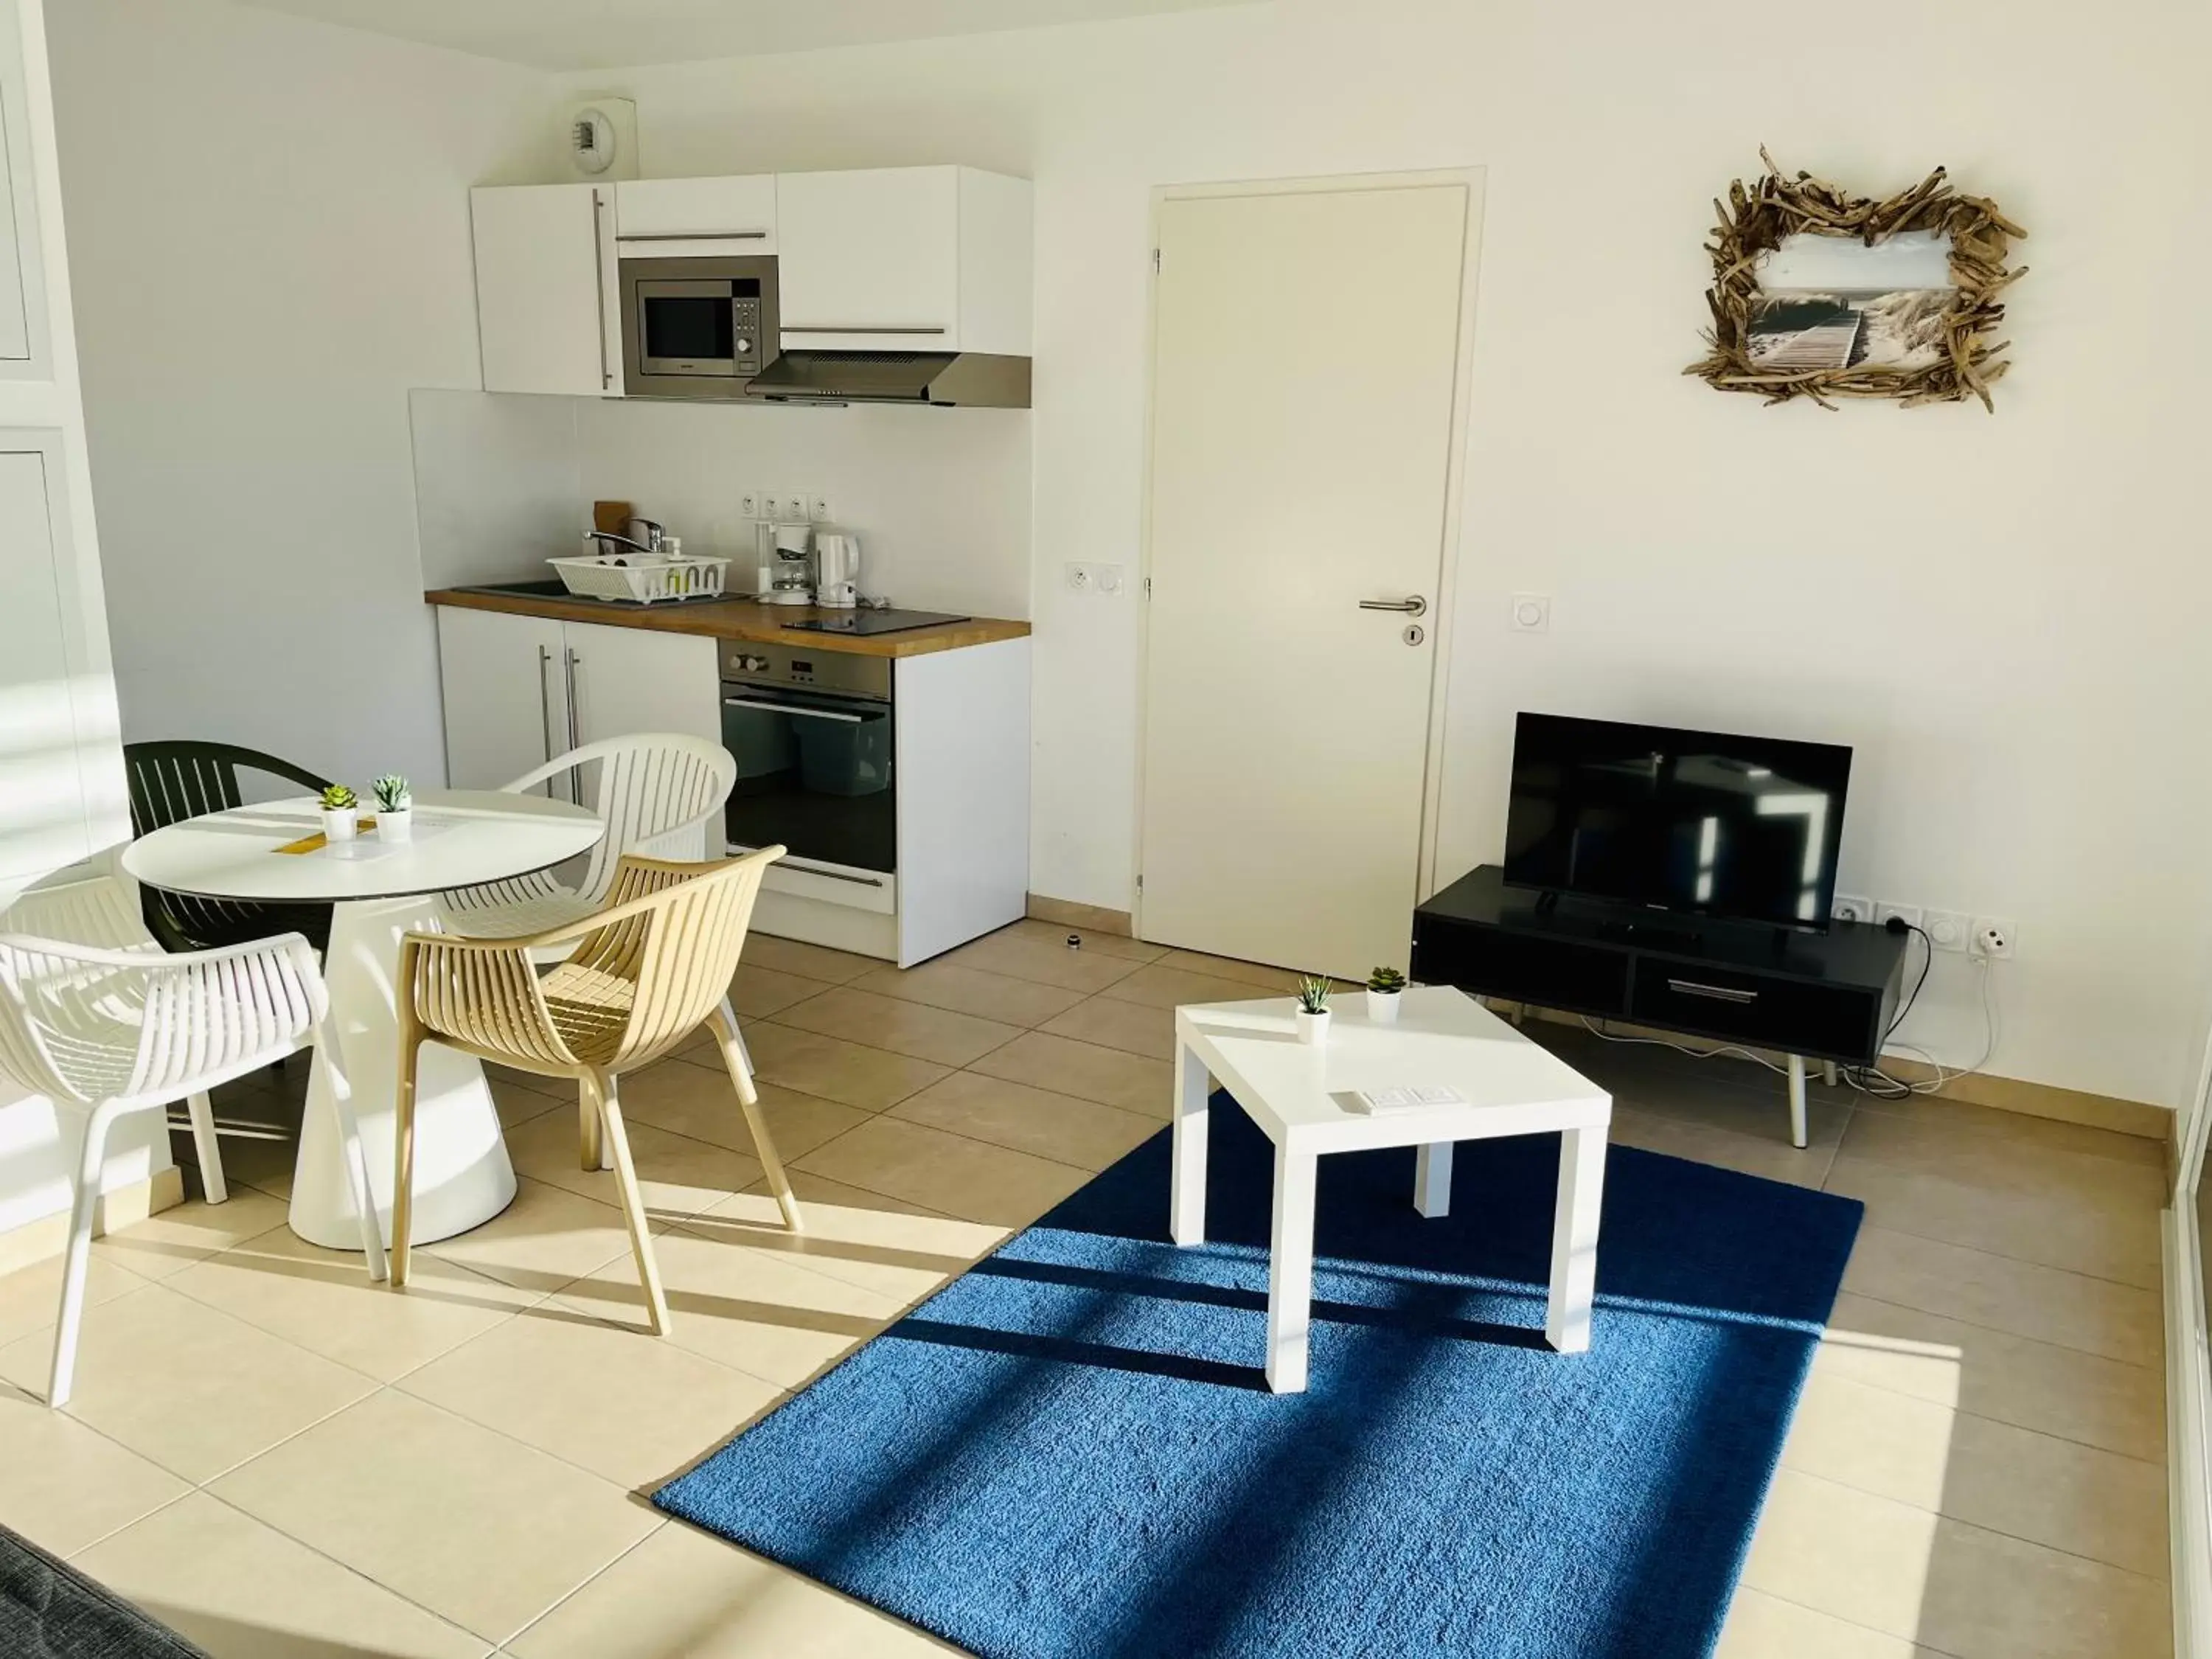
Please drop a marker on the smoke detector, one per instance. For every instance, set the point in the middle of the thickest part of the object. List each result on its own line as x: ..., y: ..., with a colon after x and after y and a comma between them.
x: 601, y: 139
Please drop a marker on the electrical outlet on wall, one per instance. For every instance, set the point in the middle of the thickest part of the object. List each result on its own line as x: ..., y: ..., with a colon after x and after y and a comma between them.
x: 1908, y: 914
x: 1849, y: 907
x: 1948, y: 930
x: 1995, y: 938
x: 818, y: 508
x: 749, y: 504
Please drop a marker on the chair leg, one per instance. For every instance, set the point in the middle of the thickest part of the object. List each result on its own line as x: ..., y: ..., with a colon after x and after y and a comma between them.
x: 592, y: 1143
x: 349, y: 1149
x: 205, y: 1149
x: 640, y: 1241
x: 403, y: 1138
x: 90, y: 1161
x: 724, y: 1023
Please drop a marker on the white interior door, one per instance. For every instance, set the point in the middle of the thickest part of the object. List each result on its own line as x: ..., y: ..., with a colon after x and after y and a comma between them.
x: 1306, y: 360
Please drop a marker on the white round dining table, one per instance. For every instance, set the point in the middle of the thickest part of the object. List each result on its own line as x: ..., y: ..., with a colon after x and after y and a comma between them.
x: 381, y: 890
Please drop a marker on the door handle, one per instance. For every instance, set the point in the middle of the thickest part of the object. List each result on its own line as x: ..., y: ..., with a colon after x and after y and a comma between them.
x: 599, y: 287
x: 1690, y: 988
x: 1416, y: 606
x: 545, y: 706
x: 575, y: 738
x: 832, y: 328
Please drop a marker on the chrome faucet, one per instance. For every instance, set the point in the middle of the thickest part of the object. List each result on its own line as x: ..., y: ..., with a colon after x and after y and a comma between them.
x: 641, y: 547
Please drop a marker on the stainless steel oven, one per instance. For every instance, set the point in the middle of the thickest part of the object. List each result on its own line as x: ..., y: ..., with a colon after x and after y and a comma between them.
x: 697, y: 327
x: 812, y: 734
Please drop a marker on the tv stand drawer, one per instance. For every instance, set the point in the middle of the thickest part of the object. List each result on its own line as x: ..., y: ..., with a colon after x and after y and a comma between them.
x: 1802, y: 1018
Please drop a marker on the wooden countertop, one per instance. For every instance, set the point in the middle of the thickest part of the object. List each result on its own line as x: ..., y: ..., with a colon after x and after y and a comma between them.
x: 740, y: 619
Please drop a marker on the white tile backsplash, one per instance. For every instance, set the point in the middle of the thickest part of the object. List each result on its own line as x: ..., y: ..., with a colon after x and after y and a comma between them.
x: 938, y: 497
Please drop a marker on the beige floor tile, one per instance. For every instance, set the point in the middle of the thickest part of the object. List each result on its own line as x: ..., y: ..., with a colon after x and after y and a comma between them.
x: 1044, y: 958
x: 788, y: 956
x: 1111, y: 1077
x: 2111, y: 1403
x: 2096, y: 1316
x: 265, y: 1165
x: 1754, y: 1113
x: 678, y: 1175
x: 243, y: 1590
x: 185, y: 1384
x: 2072, y: 1497
x: 477, y: 1527
x: 31, y: 1298
x: 1250, y: 973
x: 170, y: 1242
x: 1021, y: 1002
x: 1960, y: 1589
x: 686, y: 1594
x: 1131, y: 1026
x: 1164, y: 985
x: 548, y: 1237
x: 2105, y: 1236
x: 626, y: 1405
x: 1762, y: 1626
x: 831, y: 1068
x: 697, y: 1102
x: 63, y: 1486
x: 764, y: 1313
x: 325, y: 1302
x: 529, y: 1081
x: 518, y: 1105
x: 757, y: 992
x: 948, y: 1173
x: 1972, y: 1120
x: 898, y: 1250
x: 1771, y: 1157
x: 1005, y: 1114
x: 902, y: 1027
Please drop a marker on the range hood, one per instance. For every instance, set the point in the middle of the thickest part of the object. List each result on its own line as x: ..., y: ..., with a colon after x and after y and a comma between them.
x: 974, y: 379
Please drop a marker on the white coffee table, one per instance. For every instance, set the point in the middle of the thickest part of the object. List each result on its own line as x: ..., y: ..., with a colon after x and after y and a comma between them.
x: 1301, y: 1096
x: 463, y: 838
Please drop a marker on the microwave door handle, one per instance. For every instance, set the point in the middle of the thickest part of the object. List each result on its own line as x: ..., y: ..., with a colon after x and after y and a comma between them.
x: 793, y: 708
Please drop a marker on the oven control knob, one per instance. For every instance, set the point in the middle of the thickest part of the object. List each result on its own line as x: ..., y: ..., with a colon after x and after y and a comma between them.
x: 744, y: 346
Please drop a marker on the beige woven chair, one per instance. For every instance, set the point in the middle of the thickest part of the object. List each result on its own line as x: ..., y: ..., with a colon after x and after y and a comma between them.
x: 647, y: 971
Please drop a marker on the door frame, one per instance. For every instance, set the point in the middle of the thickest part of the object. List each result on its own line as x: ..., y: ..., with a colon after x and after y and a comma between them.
x: 1474, y: 181
x: 2189, y: 1381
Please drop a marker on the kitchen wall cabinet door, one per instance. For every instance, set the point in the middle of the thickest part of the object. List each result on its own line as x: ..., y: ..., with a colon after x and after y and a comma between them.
x: 697, y: 215
x: 548, y: 293
x: 506, y: 683
x: 903, y: 260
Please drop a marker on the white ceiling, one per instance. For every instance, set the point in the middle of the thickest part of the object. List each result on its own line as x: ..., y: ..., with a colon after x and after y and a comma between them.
x: 584, y: 35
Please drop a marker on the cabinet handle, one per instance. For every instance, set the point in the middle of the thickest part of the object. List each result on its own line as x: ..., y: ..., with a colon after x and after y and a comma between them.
x: 576, y: 740
x: 599, y: 284
x: 694, y: 236
x: 831, y: 328
x: 1690, y: 988
x: 545, y: 706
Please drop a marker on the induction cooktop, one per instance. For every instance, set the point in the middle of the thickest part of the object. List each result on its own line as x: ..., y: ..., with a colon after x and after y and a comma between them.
x: 873, y: 622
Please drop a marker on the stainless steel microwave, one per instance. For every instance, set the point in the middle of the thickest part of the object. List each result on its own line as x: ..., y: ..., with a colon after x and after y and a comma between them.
x: 697, y: 327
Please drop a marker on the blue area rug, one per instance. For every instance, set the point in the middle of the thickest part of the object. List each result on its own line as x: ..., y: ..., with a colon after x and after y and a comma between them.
x: 1070, y: 1450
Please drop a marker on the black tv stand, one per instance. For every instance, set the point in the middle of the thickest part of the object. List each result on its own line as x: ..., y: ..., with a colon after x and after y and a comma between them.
x: 1829, y: 996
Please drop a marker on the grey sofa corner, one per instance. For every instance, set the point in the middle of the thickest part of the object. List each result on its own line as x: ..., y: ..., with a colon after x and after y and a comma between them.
x: 49, y: 1610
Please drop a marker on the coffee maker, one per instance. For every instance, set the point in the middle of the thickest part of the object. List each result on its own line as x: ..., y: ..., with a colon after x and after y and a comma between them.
x: 837, y: 569
x: 787, y: 564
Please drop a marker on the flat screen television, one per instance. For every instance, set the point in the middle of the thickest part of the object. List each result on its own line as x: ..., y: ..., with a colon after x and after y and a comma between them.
x: 1702, y: 822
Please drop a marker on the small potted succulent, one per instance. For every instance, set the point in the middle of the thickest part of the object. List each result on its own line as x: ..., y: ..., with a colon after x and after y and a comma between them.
x: 1384, y: 986
x: 1313, y: 1009
x: 395, y: 808
x: 341, y: 813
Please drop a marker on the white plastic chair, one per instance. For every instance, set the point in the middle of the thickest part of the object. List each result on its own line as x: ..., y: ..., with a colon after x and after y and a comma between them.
x: 655, y: 792
x: 126, y: 1029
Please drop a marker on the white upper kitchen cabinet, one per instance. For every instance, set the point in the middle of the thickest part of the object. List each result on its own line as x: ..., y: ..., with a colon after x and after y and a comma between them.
x: 903, y: 260
x: 548, y: 291
x: 671, y: 217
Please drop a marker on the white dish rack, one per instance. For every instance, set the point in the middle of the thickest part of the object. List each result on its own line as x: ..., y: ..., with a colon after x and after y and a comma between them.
x: 641, y: 577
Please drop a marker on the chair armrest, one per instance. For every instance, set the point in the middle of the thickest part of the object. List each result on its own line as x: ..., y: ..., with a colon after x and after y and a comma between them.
x: 444, y: 1002
x: 678, y: 839
x: 150, y: 958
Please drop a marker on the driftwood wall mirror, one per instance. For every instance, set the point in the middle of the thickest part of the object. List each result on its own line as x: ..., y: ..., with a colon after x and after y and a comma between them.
x: 1821, y: 294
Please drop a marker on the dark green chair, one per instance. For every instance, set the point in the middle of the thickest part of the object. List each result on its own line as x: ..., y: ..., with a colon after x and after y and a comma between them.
x: 174, y: 780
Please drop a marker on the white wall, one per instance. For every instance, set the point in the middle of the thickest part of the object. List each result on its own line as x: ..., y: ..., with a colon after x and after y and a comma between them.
x: 939, y: 497
x: 1999, y: 612
x: 269, y: 229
